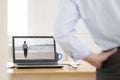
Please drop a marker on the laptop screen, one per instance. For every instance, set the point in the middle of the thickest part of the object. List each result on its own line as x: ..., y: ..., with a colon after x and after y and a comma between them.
x: 33, y: 49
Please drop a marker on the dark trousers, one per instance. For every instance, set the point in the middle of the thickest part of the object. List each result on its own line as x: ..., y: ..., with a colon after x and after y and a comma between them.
x: 110, y: 69
x: 25, y: 52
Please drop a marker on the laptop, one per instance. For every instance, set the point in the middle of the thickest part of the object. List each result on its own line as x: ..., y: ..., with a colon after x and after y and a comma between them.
x: 34, y: 52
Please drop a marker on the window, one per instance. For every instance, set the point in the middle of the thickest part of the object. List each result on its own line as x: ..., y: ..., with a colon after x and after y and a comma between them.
x: 17, y: 17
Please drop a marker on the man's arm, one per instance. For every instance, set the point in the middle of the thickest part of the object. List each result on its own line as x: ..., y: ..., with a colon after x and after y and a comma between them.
x: 65, y: 32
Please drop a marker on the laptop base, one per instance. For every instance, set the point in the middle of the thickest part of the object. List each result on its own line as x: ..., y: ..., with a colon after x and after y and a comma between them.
x: 38, y: 66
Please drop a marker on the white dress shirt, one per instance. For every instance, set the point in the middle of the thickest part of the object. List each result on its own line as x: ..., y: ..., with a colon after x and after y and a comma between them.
x: 102, y: 18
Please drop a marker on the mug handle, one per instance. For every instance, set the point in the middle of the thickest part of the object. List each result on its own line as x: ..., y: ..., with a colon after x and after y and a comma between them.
x: 60, y: 56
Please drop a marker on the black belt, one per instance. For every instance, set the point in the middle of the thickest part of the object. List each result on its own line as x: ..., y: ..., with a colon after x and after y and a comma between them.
x: 111, y: 49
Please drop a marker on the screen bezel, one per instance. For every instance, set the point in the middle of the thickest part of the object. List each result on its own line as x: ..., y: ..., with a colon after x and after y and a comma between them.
x: 34, y: 61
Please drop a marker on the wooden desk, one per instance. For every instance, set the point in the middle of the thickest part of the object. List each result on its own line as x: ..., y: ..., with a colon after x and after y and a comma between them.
x: 83, y: 72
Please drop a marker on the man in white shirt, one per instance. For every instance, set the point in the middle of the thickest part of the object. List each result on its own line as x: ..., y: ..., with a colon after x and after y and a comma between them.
x: 102, y: 18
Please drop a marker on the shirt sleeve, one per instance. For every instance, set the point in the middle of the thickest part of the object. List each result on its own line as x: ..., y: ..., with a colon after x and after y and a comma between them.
x: 65, y: 32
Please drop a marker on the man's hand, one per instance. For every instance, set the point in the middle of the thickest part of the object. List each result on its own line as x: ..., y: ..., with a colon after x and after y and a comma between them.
x: 97, y: 59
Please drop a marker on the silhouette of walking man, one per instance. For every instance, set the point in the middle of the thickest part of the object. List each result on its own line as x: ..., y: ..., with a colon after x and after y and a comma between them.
x: 25, y: 49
